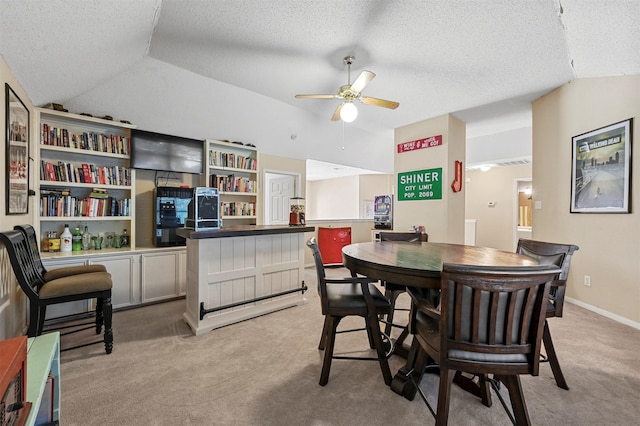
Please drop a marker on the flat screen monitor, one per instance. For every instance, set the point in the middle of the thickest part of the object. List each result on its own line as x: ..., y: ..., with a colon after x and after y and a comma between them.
x: 157, y: 151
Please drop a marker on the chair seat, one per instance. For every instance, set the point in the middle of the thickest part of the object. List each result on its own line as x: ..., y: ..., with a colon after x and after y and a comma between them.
x: 349, y: 296
x: 54, y: 274
x: 76, y: 285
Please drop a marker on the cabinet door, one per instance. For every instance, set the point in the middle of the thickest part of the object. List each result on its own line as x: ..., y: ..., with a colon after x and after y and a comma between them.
x: 68, y: 308
x: 182, y: 272
x: 159, y: 276
x: 123, y: 275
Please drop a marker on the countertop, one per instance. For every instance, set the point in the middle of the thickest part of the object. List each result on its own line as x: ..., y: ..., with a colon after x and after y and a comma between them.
x: 242, y: 231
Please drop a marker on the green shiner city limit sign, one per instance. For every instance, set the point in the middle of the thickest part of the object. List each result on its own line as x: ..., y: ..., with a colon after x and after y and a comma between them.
x: 420, y: 185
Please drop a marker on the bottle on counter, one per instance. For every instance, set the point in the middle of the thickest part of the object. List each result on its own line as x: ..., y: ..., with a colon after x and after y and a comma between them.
x: 66, y: 239
x: 76, y: 240
x: 54, y: 242
x: 86, y: 238
x: 125, y: 238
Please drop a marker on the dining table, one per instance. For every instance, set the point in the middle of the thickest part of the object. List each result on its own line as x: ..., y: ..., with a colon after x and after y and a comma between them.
x: 419, y: 265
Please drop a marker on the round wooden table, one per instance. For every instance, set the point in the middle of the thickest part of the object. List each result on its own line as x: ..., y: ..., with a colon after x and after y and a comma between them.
x: 420, y: 265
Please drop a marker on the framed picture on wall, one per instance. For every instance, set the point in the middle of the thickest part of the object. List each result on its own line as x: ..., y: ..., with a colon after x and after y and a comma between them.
x: 601, y: 169
x: 17, y: 164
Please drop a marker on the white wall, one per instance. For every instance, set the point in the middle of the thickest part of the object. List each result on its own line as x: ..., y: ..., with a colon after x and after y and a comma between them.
x: 158, y: 96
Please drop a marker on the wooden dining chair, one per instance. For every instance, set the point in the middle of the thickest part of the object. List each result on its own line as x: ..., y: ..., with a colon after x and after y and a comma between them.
x: 490, y: 322
x: 559, y: 255
x: 393, y: 290
x: 49, y: 275
x: 41, y: 293
x: 352, y: 296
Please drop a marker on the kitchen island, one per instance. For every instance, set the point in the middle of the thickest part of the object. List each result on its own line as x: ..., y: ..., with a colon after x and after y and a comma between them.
x: 240, y: 272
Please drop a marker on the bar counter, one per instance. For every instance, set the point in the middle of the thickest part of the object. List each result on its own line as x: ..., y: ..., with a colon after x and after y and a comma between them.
x: 241, y: 272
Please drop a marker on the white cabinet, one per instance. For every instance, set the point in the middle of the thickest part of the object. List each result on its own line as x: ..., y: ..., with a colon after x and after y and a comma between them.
x: 233, y: 169
x: 182, y: 273
x: 76, y: 155
x: 160, y: 275
x: 125, y: 277
x: 68, y: 308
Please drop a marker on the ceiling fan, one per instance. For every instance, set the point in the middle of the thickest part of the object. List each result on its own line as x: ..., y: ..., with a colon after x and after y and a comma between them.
x: 351, y: 92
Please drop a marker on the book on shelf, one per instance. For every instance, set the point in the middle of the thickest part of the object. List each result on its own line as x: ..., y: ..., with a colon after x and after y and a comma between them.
x: 99, y: 193
x: 55, y: 204
x: 90, y: 141
x: 85, y: 173
x: 231, y: 183
x: 230, y: 159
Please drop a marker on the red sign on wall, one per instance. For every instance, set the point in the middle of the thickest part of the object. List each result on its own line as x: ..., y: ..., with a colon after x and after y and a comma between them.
x: 420, y: 143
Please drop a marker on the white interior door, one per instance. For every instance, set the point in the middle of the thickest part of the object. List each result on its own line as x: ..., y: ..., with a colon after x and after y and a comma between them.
x: 280, y: 189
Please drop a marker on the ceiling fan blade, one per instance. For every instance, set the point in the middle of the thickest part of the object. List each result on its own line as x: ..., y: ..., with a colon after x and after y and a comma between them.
x: 361, y: 82
x: 336, y: 115
x: 316, y: 96
x: 380, y: 102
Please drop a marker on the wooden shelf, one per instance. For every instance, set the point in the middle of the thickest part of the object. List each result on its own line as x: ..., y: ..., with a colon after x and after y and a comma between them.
x: 237, y: 154
x: 98, y: 134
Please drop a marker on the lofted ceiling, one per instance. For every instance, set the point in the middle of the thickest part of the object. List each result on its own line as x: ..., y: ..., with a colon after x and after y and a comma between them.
x: 484, y: 61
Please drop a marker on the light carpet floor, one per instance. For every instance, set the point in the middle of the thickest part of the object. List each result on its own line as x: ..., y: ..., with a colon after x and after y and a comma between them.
x: 265, y: 371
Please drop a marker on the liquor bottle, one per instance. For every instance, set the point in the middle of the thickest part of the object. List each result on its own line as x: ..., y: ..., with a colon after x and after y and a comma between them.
x: 86, y: 238
x: 65, y: 239
x: 76, y: 240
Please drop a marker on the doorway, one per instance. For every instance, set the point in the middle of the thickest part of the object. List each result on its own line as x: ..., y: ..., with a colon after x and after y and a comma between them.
x: 279, y: 188
x: 523, y: 214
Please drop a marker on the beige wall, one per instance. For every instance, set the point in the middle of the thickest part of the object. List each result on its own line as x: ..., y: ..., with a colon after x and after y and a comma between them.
x: 496, y: 226
x: 327, y: 198
x: 372, y: 185
x: 13, y: 309
x: 336, y: 198
x: 443, y: 219
x: 609, y: 243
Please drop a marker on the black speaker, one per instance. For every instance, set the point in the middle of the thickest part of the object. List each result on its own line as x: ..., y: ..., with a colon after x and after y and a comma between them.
x: 204, y: 210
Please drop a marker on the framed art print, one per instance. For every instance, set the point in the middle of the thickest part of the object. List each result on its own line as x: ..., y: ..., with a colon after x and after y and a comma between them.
x: 601, y: 170
x: 17, y: 164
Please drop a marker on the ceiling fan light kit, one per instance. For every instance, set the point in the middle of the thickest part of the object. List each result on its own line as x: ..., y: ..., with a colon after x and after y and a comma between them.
x: 348, y: 112
x: 349, y: 93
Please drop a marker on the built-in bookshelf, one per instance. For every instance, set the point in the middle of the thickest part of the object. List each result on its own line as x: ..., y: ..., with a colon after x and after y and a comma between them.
x: 233, y: 169
x: 85, y: 177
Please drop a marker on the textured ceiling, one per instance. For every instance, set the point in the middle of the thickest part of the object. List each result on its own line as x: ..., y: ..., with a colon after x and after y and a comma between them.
x: 485, y: 61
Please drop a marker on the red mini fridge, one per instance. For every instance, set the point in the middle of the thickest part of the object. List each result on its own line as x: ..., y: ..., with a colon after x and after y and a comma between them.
x: 330, y: 243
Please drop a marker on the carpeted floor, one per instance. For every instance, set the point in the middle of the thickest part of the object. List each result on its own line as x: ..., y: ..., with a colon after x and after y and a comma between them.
x: 265, y: 371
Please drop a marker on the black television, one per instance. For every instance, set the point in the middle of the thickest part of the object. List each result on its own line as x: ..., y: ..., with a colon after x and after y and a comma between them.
x: 157, y: 151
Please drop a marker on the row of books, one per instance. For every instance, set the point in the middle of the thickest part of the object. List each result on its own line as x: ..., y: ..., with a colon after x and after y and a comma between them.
x: 58, y: 205
x: 84, y: 173
x: 230, y: 183
x: 91, y: 141
x: 238, y: 209
x: 229, y: 159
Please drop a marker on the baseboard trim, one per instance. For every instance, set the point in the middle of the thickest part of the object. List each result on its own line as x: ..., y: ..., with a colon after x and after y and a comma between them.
x: 618, y: 318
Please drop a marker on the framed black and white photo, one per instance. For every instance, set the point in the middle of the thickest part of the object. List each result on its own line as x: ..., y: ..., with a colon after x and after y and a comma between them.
x: 601, y: 170
x: 17, y: 164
